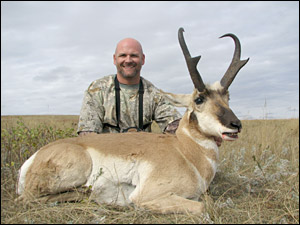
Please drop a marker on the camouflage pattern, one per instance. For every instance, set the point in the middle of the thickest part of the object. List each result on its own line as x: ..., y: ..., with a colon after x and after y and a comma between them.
x: 98, y: 107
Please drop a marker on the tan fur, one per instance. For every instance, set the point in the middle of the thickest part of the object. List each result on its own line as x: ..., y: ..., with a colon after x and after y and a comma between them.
x: 65, y: 164
x: 53, y: 170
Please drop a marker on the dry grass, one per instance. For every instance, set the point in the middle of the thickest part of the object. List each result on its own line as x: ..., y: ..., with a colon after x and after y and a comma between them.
x: 55, y: 121
x: 257, y: 180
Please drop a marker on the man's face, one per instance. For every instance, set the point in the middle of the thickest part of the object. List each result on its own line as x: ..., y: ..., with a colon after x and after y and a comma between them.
x: 129, y: 59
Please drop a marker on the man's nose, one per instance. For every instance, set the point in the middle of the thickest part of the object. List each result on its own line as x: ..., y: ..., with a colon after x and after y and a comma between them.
x: 128, y: 59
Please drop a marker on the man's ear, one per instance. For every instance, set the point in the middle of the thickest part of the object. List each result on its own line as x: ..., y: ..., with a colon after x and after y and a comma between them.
x: 114, y: 57
x: 143, y: 59
x: 178, y: 100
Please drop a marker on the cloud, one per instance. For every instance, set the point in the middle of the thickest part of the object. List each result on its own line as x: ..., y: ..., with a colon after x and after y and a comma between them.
x: 52, y: 51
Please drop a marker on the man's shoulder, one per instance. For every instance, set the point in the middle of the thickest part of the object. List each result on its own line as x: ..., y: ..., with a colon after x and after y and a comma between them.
x: 149, y: 85
x: 152, y: 91
x: 101, y: 83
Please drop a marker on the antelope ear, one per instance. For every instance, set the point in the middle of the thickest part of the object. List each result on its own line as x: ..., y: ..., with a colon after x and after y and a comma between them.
x: 178, y: 100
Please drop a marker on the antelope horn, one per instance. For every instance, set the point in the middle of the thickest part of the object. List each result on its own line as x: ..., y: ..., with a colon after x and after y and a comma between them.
x: 191, y: 62
x: 236, y: 63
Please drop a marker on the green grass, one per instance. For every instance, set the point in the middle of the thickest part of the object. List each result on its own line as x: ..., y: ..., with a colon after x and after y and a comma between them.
x: 257, y: 180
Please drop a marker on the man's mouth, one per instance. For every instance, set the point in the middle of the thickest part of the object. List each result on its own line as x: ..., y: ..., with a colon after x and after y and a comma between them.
x: 129, y: 66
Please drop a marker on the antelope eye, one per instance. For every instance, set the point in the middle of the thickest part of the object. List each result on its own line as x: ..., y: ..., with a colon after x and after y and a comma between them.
x: 199, y: 100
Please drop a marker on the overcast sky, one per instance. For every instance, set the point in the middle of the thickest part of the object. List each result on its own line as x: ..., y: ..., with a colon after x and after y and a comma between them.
x: 52, y: 51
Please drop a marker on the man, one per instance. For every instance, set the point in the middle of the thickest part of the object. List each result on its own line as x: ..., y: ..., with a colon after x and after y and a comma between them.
x: 116, y: 103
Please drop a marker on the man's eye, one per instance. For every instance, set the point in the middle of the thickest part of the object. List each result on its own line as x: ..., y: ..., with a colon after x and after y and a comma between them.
x: 199, y: 100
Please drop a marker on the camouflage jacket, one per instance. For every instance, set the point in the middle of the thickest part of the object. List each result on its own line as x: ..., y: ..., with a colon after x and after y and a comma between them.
x: 99, y: 107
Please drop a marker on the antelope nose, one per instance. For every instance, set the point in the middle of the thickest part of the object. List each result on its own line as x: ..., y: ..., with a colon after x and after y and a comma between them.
x: 237, y: 125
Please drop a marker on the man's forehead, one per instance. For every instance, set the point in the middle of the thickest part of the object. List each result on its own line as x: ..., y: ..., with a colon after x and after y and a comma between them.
x: 129, y: 44
x: 127, y: 52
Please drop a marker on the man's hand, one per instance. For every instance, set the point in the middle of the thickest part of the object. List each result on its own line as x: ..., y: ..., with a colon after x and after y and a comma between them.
x: 172, y: 127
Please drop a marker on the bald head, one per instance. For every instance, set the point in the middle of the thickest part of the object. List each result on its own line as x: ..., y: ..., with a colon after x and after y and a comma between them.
x: 129, y: 43
x: 129, y: 59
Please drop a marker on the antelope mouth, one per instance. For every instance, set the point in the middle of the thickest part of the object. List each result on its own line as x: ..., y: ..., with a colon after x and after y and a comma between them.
x: 230, y: 136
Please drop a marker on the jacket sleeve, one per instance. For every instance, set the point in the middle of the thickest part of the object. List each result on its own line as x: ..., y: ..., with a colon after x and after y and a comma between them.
x: 165, y: 113
x: 92, y: 112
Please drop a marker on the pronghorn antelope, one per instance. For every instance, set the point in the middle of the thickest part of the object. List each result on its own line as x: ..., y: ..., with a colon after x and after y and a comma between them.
x: 161, y: 172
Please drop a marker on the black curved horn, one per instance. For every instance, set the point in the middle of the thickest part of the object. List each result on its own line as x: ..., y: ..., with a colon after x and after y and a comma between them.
x: 236, y: 63
x: 191, y: 62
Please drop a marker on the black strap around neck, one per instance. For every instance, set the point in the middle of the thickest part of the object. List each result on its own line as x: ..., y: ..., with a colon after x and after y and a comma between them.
x: 117, y: 95
x: 118, y: 103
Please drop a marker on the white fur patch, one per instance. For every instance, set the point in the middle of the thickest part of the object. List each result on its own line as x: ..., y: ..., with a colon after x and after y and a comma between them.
x: 22, y: 174
x: 209, y: 125
x: 208, y: 144
x: 214, y: 165
x: 216, y: 86
x: 114, y: 179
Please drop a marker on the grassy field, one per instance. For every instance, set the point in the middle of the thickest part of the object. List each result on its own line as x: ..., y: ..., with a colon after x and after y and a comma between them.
x: 257, y: 180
